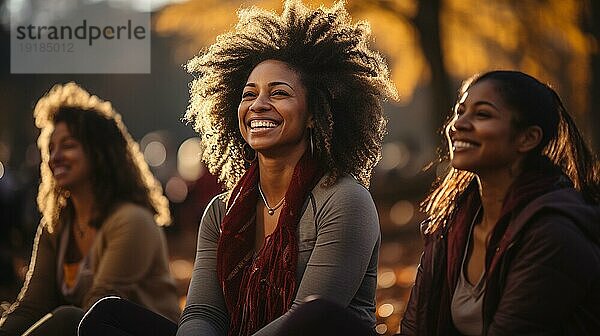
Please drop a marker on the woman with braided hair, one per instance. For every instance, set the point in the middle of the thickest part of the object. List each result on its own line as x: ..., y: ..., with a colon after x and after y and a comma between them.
x: 512, y: 244
x: 289, y: 110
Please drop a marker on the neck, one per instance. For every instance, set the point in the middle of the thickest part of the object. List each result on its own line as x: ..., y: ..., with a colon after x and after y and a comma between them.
x: 83, y: 206
x: 276, y: 174
x: 492, y: 190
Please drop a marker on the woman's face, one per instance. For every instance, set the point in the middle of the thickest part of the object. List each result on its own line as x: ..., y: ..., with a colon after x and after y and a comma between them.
x: 481, y: 135
x: 68, y: 162
x: 273, y: 115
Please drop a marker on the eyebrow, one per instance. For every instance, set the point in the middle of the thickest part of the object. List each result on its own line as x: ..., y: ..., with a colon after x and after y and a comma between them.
x: 64, y: 138
x: 271, y: 84
x: 481, y: 102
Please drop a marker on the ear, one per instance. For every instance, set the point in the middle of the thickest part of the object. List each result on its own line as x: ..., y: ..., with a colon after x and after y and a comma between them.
x: 529, y: 138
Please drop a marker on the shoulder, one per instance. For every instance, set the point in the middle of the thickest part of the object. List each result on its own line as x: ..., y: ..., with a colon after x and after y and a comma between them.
x: 130, y: 216
x: 213, y: 215
x: 346, y: 203
x: 562, y: 214
x: 345, y: 190
x: 217, y: 207
x: 562, y: 236
x: 218, y: 203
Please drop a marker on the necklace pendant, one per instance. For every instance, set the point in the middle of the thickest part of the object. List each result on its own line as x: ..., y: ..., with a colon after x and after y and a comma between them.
x: 271, y: 212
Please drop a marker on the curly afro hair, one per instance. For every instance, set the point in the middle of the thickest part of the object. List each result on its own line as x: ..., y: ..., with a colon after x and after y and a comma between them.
x: 346, y: 83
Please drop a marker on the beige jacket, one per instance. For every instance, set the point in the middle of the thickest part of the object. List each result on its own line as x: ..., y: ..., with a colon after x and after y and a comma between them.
x: 128, y: 259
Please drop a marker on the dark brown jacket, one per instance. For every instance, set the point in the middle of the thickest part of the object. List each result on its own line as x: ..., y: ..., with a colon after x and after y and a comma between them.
x: 543, y: 275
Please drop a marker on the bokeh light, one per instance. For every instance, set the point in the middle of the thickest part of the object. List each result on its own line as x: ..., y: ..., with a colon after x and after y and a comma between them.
x: 189, y: 165
x: 181, y: 269
x: 1, y: 170
x: 155, y: 153
x: 385, y: 310
x: 381, y: 328
x: 386, y: 278
x: 395, y: 155
x: 402, y: 212
x: 176, y: 189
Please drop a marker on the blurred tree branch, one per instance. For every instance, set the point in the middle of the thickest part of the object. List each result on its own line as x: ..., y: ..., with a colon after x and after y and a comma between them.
x: 436, y: 43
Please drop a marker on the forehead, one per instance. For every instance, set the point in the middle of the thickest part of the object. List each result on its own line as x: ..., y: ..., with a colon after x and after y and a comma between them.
x: 273, y: 71
x: 485, y: 90
x: 60, y: 131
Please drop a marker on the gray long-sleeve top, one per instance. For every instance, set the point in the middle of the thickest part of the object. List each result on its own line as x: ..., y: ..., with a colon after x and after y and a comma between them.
x: 338, y: 247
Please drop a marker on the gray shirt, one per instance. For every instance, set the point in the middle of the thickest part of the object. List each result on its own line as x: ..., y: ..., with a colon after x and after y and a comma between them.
x: 338, y: 245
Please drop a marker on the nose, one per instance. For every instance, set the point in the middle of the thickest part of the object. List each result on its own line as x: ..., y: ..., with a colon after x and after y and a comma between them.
x: 55, y: 155
x: 460, y: 123
x: 261, y: 103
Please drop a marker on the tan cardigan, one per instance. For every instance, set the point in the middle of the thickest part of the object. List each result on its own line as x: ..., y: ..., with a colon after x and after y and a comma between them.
x: 128, y: 259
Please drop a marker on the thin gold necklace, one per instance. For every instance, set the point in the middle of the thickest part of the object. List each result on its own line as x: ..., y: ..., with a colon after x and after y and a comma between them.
x: 270, y: 210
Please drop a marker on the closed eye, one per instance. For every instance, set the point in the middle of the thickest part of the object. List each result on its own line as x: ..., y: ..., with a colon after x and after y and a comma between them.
x: 248, y: 94
x: 280, y: 93
x: 483, y: 114
x: 70, y: 142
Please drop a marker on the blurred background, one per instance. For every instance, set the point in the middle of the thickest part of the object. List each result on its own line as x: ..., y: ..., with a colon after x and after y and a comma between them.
x: 431, y: 46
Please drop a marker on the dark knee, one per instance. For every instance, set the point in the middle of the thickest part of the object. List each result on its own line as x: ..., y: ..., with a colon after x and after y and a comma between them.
x: 68, y: 314
x: 102, y: 310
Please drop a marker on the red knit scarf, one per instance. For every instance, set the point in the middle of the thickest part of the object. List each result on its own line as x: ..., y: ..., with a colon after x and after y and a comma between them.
x: 259, y: 287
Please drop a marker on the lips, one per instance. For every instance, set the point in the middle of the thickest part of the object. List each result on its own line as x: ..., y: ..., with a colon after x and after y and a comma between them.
x: 459, y: 144
x: 463, y: 144
x: 262, y: 124
x: 59, y: 170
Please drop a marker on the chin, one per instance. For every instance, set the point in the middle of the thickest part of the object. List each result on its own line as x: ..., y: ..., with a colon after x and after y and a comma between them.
x: 260, y: 148
x: 462, y: 166
x: 260, y: 145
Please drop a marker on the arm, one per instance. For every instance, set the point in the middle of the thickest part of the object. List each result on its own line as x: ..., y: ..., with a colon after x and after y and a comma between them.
x: 205, y: 312
x: 550, y: 276
x: 347, y: 234
x: 38, y: 295
x: 130, y: 241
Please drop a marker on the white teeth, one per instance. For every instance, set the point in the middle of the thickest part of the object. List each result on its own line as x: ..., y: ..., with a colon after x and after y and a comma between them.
x: 59, y: 170
x: 463, y: 144
x: 262, y: 124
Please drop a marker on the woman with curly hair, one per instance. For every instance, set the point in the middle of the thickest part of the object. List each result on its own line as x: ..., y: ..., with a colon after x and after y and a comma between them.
x: 512, y: 245
x: 289, y: 109
x: 100, y: 208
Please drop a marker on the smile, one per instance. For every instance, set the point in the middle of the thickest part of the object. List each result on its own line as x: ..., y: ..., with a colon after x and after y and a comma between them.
x: 463, y: 145
x: 60, y: 170
x: 262, y: 124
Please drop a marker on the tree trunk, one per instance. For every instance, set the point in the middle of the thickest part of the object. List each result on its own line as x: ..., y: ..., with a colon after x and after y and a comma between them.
x: 427, y: 22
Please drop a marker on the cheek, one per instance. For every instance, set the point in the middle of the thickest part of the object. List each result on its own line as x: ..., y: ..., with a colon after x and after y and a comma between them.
x: 502, y: 137
x: 241, y: 114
